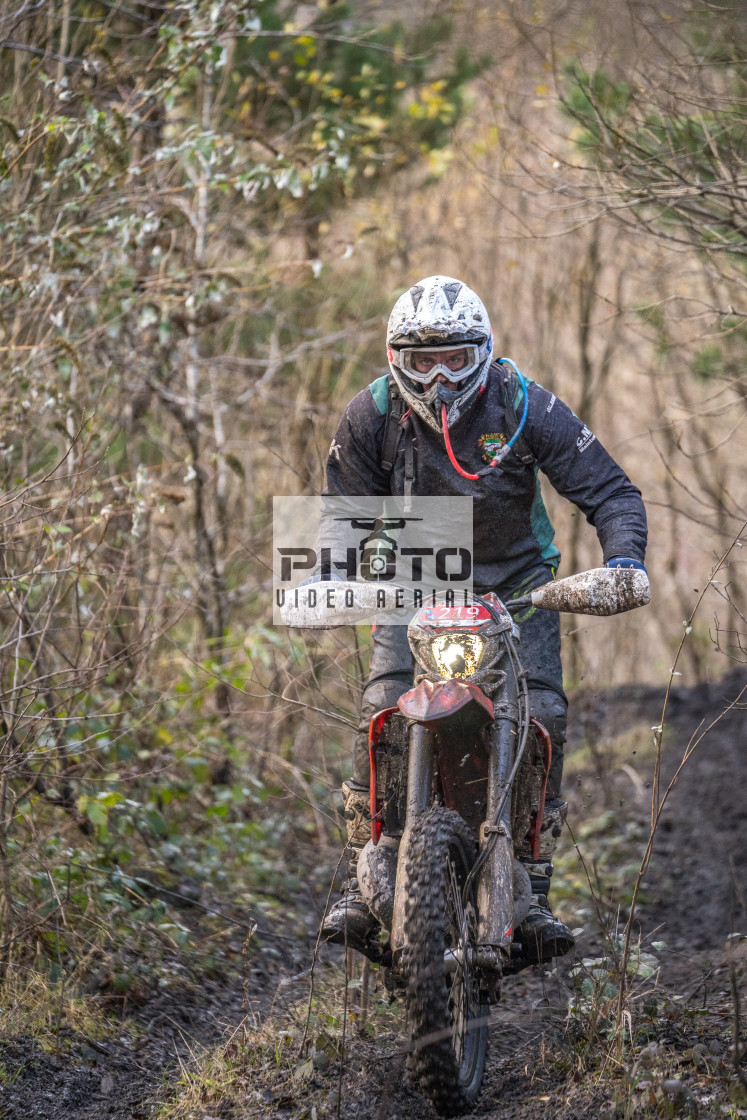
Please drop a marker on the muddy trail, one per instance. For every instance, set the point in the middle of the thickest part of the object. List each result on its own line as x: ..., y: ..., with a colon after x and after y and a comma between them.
x: 252, y: 1044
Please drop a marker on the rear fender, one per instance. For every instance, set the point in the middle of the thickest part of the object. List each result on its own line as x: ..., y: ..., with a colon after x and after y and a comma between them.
x: 539, y: 813
x: 375, y: 729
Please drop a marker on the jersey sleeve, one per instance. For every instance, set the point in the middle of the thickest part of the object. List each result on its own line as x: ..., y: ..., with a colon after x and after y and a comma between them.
x: 581, y: 470
x: 354, y: 458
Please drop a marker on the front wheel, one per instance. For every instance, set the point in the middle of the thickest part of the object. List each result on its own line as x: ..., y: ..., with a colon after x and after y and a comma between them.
x: 447, y: 1012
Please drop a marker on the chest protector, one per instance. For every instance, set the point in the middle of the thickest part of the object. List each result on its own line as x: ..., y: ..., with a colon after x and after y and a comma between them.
x: 397, y: 426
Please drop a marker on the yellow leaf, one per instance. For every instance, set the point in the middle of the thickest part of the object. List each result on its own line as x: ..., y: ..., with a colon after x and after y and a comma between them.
x: 374, y: 124
x: 439, y: 160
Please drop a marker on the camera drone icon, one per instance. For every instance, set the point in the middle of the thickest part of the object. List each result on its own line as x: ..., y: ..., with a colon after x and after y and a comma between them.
x: 378, y: 549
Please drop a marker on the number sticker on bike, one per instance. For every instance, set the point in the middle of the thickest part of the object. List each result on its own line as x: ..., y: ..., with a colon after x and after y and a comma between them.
x: 464, y: 617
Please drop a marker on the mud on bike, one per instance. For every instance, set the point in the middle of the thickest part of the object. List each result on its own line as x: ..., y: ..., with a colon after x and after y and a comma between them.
x: 458, y: 778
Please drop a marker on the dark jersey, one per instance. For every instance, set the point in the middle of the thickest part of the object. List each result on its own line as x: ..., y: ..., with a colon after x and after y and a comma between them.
x: 512, y: 534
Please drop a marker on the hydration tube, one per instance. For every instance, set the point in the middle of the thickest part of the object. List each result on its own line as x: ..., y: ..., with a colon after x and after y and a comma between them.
x: 449, y: 452
x: 502, y: 451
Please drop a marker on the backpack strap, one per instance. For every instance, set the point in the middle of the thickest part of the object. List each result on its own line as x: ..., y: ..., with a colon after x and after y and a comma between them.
x: 396, y: 425
x: 510, y: 389
x: 392, y: 428
x: 409, y: 461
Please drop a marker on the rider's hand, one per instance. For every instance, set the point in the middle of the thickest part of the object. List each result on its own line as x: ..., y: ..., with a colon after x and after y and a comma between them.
x: 625, y: 562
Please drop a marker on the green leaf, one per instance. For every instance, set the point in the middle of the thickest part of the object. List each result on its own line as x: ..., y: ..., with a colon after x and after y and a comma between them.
x: 96, y: 812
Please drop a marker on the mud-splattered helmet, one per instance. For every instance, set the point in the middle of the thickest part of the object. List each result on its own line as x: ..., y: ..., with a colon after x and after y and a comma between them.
x: 439, y: 313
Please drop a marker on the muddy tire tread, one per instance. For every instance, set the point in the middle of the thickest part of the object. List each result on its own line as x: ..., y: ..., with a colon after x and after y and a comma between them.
x: 434, y: 1065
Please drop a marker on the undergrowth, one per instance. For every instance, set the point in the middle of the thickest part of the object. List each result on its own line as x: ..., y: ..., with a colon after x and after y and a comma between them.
x: 318, y: 1035
x: 677, y: 1058
x: 676, y: 1051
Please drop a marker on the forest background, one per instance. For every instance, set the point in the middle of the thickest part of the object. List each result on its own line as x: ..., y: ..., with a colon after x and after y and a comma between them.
x: 207, y: 211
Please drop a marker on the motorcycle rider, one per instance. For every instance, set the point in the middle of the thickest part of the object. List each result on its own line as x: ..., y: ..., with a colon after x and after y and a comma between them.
x: 454, y: 409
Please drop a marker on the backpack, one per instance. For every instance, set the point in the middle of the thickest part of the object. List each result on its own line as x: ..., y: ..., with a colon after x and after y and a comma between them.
x: 397, y: 425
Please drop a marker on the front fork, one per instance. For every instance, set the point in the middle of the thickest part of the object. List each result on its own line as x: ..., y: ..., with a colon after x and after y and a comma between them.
x: 495, y: 887
x: 419, y: 782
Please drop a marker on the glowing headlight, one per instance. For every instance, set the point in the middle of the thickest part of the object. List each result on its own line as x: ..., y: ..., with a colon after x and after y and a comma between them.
x: 457, y: 655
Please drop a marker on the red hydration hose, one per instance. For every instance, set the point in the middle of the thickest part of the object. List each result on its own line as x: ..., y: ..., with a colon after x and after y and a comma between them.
x: 450, y: 453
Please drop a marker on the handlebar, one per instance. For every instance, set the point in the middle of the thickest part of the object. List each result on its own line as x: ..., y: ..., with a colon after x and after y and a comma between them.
x: 332, y: 603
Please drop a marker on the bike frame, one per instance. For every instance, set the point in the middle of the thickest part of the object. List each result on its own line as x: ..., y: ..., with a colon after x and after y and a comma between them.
x: 430, y: 760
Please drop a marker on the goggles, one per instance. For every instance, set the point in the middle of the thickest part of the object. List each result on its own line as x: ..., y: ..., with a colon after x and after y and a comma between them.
x: 424, y: 363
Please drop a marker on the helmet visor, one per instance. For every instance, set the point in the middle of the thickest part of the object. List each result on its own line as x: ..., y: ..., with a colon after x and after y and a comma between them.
x: 424, y: 363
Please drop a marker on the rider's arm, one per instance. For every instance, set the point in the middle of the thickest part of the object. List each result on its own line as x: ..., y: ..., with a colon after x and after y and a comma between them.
x: 581, y: 470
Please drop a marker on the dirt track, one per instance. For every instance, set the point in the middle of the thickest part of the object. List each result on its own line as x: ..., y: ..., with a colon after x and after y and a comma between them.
x: 695, y: 898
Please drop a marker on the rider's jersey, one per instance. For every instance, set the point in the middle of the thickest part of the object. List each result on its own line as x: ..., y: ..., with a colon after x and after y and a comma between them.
x: 512, y: 533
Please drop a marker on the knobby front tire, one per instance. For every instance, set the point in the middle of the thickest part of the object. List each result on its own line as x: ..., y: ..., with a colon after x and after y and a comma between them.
x: 448, y: 1019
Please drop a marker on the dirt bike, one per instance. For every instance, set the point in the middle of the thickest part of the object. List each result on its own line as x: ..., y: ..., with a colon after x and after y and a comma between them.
x: 458, y: 770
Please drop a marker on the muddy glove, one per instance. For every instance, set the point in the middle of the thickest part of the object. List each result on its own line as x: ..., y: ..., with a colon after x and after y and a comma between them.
x: 625, y: 562
x: 316, y: 578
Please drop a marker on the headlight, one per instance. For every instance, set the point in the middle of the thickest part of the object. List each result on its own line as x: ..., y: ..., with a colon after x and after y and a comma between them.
x: 457, y: 655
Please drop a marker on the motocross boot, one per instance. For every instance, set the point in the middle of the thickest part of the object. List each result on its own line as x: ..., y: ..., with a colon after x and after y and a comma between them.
x: 542, y: 935
x: 350, y: 922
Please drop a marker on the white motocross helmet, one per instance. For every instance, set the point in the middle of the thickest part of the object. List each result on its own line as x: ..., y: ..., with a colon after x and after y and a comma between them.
x: 439, y: 312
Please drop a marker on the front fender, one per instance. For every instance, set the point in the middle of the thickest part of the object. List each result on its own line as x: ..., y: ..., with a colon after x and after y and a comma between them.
x: 439, y: 705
